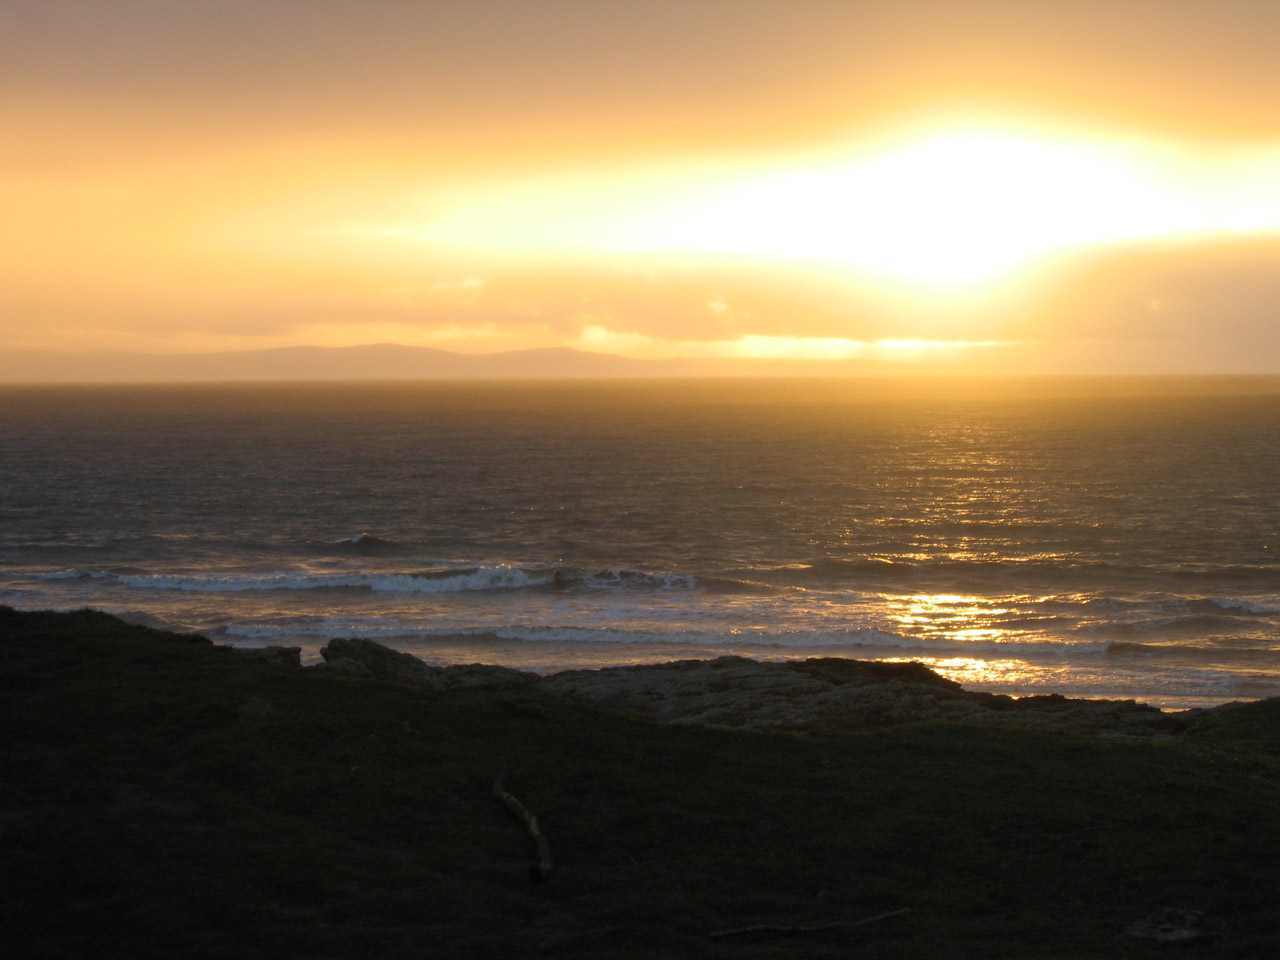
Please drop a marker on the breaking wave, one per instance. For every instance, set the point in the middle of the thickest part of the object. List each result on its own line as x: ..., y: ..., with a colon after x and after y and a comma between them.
x: 865, y: 641
x: 443, y: 580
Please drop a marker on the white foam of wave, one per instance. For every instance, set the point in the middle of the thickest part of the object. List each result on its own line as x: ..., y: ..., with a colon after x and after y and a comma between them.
x: 492, y: 578
x: 867, y: 637
x: 324, y: 629
x: 1243, y: 606
x: 475, y: 579
x: 633, y: 578
x: 73, y: 573
x: 865, y: 641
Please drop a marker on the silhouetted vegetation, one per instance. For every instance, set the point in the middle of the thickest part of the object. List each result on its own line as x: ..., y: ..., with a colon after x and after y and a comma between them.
x: 163, y: 796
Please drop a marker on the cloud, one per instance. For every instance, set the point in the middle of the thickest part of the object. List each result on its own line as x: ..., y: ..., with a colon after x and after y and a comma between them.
x: 1212, y: 290
x: 467, y: 283
x: 1180, y: 293
x: 177, y: 173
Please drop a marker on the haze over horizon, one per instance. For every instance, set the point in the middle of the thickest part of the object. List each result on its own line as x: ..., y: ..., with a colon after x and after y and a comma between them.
x: 972, y: 185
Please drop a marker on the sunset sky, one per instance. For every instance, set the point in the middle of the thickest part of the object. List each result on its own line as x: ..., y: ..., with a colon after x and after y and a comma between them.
x: 1083, y: 186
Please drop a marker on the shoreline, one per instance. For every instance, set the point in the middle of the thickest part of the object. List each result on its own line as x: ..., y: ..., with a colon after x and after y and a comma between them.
x: 654, y: 670
x: 743, y: 693
x: 735, y: 690
x: 1171, y: 676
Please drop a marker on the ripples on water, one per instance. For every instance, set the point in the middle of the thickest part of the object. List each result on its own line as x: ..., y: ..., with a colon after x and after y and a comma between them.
x: 1106, y: 537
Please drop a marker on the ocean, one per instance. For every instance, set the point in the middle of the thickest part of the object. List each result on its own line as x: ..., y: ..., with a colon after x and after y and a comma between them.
x: 1114, y: 538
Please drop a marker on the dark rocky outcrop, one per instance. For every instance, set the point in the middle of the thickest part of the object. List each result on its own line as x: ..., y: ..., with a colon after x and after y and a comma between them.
x: 285, y: 656
x: 824, y: 692
x: 367, y: 658
x: 485, y: 676
x: 362, y: 657
x: 831, y: 692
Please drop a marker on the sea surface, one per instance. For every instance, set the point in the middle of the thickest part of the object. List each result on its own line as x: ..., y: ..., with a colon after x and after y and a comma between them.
x: 1100, y: 538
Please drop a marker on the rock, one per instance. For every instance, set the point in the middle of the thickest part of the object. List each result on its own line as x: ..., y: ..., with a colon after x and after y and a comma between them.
x: 482, y: 675
x: 822, y: 692
x: 360, y: 656
x: 728, y: 691
x: 723, y: 691
x: 841, y: 670
x: 285, y: 656
x: 365, y: 658
x: 839, y: 693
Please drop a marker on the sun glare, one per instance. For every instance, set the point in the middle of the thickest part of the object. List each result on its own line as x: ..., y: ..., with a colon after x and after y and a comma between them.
x: 948, y: 210
x: 599, y: 338
x: 944, y: 209
x: 963, y: 208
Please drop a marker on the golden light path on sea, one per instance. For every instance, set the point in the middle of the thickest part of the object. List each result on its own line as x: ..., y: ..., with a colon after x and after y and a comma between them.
x: 947, y: 616
x: 962, y: 618
x: 976, y: 674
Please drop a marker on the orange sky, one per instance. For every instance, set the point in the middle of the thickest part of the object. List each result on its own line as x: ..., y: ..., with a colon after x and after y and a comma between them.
x: 1095, y: 184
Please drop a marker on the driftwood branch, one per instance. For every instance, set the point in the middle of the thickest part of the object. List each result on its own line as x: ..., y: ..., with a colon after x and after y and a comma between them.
x: 766, y: 930
x: 542, y: 867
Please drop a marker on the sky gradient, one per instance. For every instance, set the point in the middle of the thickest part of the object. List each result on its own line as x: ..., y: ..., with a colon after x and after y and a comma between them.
x: 1084, y: 186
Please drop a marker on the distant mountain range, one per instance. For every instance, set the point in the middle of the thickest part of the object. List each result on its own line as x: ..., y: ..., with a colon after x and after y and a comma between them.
x: 390, y: 361
x: 379, y: 361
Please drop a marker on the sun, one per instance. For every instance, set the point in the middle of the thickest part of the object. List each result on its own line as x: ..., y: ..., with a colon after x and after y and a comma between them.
x: 966, y: 208
x: 947, y: 210
x: 935, y: 210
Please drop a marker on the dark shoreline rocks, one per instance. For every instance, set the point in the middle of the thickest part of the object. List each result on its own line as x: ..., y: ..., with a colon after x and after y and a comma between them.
x: 367, y: 658
x: 737, y: 692
x: 835, y: 693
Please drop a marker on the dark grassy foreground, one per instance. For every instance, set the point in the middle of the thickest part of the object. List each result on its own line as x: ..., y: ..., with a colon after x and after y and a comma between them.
x: 165, y: 797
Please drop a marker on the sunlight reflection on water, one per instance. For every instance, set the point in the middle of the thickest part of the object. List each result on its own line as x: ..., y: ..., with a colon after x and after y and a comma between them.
x: 948, y: 616
x: 976, y: 674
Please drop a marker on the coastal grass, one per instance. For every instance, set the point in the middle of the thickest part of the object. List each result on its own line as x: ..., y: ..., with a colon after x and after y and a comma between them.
x: 163, y: 796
